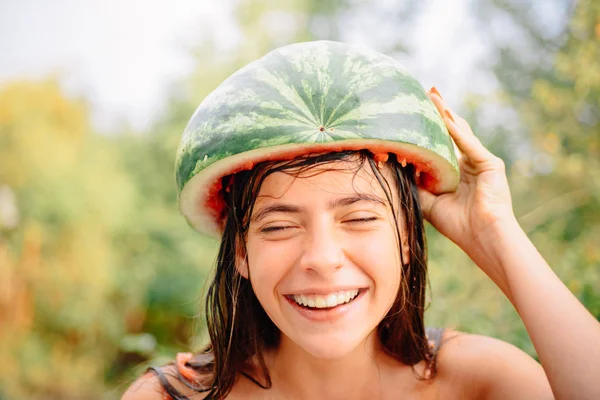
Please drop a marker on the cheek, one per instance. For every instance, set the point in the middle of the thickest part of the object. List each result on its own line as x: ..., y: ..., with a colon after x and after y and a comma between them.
x: 380, y: 258
x: 268, y: 263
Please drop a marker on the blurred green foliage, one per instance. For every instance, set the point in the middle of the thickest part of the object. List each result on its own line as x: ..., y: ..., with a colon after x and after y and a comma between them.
x: 100, y: 276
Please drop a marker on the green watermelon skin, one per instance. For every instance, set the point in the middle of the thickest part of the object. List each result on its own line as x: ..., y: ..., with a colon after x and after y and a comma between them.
x: 316, y: 93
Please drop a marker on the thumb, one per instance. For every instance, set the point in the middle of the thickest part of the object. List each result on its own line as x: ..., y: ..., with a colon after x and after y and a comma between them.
x: 426, y: 199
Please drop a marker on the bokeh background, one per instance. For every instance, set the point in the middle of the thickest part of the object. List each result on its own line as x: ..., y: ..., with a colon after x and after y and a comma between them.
x: 100, y: 276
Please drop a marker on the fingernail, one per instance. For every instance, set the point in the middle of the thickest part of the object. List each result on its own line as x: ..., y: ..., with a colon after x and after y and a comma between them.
x: 449, y: 115
x: 434, y: 90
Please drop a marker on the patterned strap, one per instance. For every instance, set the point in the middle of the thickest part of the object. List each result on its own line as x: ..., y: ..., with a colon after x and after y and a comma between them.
x: 434, y: 335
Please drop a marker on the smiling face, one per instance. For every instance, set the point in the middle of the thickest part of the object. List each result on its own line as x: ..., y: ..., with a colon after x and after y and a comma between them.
x: 323, y: 255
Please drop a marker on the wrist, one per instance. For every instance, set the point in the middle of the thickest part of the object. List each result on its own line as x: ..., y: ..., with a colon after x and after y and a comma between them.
x: 491, y: 239
x: 503, y: 230
x: 493, y: 246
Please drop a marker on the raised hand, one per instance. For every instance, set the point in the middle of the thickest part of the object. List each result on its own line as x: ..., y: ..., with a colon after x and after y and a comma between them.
x: 479, y: 218
x: 471, y: 215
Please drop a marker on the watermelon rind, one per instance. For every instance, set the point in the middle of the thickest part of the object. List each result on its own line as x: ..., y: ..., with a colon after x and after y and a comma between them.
x: 310, y: 97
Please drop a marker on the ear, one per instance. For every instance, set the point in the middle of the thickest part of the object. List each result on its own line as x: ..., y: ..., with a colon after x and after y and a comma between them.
x: 241, y: 263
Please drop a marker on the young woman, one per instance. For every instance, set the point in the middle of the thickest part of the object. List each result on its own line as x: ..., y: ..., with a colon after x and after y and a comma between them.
x: 320, y: 285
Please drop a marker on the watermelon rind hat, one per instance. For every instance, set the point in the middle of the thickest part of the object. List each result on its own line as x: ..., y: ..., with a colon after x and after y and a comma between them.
x: 311, y: 97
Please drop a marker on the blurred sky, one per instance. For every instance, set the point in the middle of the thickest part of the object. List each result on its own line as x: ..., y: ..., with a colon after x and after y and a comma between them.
x: 122, y: 54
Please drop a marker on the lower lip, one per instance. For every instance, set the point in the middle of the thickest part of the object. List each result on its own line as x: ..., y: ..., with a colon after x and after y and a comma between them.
x: 327, y: 314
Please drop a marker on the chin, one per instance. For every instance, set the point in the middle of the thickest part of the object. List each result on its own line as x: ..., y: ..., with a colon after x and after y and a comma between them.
x: 330, y: 347
x: 329, y: 352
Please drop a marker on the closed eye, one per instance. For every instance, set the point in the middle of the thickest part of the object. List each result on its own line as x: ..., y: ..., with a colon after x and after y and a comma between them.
x: 357, y: 220
x: 275, y: 228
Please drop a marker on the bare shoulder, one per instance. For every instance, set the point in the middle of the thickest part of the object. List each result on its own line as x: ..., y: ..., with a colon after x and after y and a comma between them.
x: 476, y: 366
x: 146, y: 387
x: 150, y: 387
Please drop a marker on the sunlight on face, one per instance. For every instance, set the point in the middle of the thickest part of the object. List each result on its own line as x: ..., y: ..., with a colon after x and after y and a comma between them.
x: 323, y: 256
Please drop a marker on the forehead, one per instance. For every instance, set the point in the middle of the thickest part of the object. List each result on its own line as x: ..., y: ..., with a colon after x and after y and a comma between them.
x: 325, y: 180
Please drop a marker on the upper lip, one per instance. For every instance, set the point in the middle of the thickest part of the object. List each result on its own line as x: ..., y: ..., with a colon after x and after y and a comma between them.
x: 322, y: 291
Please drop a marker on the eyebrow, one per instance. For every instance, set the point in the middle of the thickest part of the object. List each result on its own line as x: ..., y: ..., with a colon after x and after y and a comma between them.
x: 337, y: 203
x: 346, y: 201
x: 285, y: 208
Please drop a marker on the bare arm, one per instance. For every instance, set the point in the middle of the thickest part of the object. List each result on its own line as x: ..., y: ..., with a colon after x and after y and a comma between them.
x: 565, y: 335
x: 479, y: 218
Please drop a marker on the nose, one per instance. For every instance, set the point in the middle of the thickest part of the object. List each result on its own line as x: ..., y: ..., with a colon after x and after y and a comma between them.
x: 323, y: 252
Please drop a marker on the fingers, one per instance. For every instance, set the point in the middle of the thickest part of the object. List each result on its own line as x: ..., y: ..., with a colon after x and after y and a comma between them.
x: 436, y: 97
x: 426, y: 199
x: 461, y: 132
x: 465, y: 140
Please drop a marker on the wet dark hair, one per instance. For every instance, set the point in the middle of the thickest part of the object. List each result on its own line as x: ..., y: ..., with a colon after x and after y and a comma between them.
x: 238, y: 326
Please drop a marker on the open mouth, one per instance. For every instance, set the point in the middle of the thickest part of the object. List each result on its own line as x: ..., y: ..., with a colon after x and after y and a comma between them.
x: 327, y: 301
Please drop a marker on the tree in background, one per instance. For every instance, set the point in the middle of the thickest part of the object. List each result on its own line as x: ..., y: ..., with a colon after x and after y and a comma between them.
x: 562, y: 115
x: 97, y: 264
x: 59, y: 265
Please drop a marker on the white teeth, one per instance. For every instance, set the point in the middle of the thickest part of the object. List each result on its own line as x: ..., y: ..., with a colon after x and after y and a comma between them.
x: 325, y: 301
x: 320, y: 302
x: 332, y: 300
x: 346, y: 297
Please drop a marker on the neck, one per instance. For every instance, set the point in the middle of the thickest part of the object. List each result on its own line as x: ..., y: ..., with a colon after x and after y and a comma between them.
x: 299, y: 375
